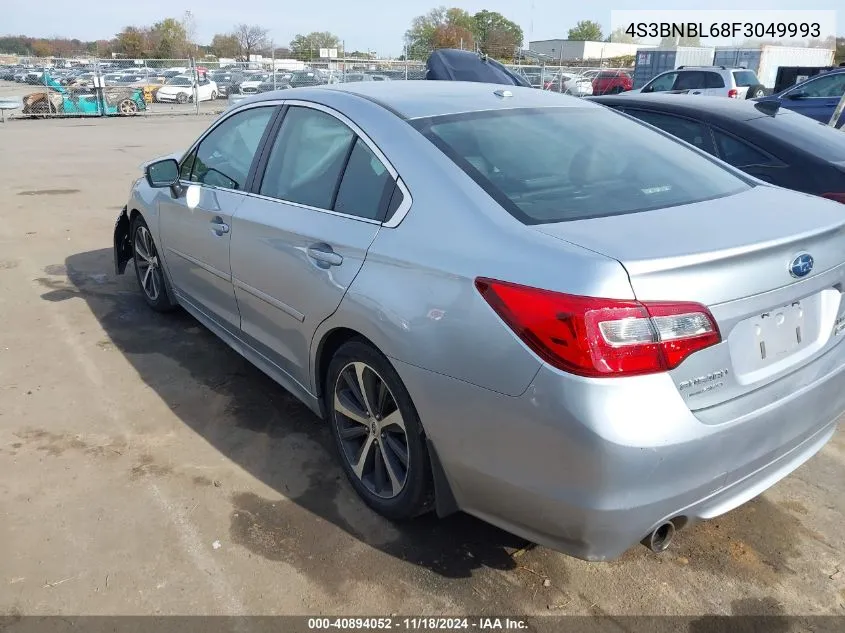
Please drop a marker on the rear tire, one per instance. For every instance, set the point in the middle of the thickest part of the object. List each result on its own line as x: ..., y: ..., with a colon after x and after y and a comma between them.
x: 377, y: 431
x: 755, y: 92
x: 148, y: 270
x: 213, y: 95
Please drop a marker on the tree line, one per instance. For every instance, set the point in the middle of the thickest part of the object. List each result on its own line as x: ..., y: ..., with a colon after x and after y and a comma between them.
x: 486, y: 31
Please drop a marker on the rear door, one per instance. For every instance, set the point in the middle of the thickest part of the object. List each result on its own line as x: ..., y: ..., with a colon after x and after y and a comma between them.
x: 691, y: 81
x: 692, y: 131
x: 714, y: 85
x: 301, y: 238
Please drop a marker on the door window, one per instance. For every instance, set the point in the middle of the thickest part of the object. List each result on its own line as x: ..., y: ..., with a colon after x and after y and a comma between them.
x: 365, y: 186
x: 224, y: 157
x: 662, y: 83
x: 825, y: 86
x: 308, y: 158
x: 739, y: 153
x: 691, y: 80
x: 692, y: 132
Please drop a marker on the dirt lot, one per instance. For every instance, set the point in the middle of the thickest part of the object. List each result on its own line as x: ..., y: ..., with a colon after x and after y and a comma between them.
x: 146, y: 468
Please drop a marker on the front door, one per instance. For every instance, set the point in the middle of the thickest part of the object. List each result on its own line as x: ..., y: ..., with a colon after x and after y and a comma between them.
x: 817, y: 98
x: 196, y: 224
x: 300, y: 241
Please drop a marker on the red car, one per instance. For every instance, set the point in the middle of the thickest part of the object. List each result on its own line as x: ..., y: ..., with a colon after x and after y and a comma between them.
x: 609, y: 82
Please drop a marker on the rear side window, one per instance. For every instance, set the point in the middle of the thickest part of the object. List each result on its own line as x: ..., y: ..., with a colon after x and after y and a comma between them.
x: 745, y: 78
x: 739, y: 153
x: 688, y: 130
x: 365, y: 186
x: 690, y: 80
x: 307, y: 158
x: 713, y: 80
x: 570, y: 163
x: 804, y: 133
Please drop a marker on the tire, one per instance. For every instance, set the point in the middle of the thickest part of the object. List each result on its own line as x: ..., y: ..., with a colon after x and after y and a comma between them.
x: 153, y: 284
x: 384, y: 465
x: 127, y: 107
x: 755, y: 91
x: 182, y: 98
x: 213, y: 95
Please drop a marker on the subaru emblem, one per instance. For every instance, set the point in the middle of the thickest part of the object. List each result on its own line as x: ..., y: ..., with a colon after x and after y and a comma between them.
x: 801, y: 265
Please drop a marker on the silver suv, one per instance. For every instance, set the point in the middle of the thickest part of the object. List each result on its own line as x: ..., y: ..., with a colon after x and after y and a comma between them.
x: 714, y: 81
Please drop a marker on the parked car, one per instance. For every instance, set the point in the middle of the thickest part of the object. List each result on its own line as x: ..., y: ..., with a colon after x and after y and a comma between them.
x: 249, y: 86
x: 763, y: 140
x: 353, y: 77
x: 57, y: 99
x: 616, y: 337
x: 269, y: 86
x: 571, y: 84
x: 179, y: 89
x: 817, y: 97
x: 227, y: 81
x: 302, y: 78
x: 609, y: 82
x: 710, y: 81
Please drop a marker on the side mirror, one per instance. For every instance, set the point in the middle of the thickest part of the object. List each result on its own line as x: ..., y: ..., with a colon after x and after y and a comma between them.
x: 797, y: 95
x: 163, y: 173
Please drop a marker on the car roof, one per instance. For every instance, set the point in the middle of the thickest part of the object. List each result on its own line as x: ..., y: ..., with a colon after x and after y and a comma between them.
x: 712, y: 107
x: 414, y: 99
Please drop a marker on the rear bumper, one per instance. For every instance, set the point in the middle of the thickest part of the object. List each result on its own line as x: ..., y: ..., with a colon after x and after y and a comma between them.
x: 590, y: 467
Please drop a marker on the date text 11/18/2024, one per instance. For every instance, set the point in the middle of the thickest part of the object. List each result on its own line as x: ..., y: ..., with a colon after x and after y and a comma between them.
x: 430, y: 623
x: 724, y: 29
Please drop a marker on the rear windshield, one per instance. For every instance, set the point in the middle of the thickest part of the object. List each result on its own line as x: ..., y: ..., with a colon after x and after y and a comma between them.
x: 804, y: 133
x: 745, y: 78
x: 558, y: 164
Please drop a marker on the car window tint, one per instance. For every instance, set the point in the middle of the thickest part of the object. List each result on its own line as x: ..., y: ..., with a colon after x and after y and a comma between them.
x: 307, y: 158
x: 801, y: 131
x: 224, y: 157
x: 745, y: 78
x: 365, y: 185
x: 569, y: 163
x: 825, y: 86
x: 187, y: 166
x: 396, y: 201
x: 688, y: 130
x: 713, y: 80
x: 663, y: 82
x: 690, y: 80
x: 739, y: 153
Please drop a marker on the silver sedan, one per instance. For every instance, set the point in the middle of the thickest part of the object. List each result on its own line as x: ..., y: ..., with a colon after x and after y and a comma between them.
x: 508, y: 302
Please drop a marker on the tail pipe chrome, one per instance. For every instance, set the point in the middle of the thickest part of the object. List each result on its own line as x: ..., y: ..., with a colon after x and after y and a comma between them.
x: 659, y: 540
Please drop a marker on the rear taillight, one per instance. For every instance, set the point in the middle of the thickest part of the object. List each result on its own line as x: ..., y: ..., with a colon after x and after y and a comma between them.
x: 596, y: 337
x: 839, y: 197
x: 733, y: 93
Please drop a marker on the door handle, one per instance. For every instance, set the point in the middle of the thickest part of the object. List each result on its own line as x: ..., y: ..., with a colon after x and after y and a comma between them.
x: 219, y: 227
x: 324, y: 254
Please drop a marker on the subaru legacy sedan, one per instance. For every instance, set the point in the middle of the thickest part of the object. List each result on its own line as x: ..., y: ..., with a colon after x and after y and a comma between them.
x: 508, y: 302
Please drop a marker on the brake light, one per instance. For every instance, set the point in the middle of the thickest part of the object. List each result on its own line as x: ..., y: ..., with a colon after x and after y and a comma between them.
x: 733, y: 93
x: 595, y: 337
x: 839, y: 197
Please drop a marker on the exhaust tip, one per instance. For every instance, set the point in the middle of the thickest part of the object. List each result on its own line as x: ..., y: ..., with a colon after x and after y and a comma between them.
x: 659, y: 540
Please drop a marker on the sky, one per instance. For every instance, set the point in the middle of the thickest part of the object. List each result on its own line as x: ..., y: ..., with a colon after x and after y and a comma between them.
x: 375, y: 25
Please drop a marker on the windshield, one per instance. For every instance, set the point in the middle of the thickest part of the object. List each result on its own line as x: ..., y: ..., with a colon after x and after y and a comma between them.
x: 179, y: 81
x: 804, y: 133
x: 558, y: 164
x: 745, y: 78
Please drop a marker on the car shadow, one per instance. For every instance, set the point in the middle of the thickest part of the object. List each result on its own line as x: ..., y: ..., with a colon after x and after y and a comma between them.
x: 268, y: 433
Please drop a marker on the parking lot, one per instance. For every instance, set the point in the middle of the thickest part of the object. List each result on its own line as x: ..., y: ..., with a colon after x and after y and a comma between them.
x: 146, y: 468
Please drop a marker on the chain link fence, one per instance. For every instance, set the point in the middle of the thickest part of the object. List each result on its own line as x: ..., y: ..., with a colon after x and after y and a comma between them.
x: 125, y: 87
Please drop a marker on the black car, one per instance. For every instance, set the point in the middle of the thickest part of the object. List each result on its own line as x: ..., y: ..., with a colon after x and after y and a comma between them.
x: 768, y: 142
x: 268, y: 86
x: 306, y: 78
x: 227, y: 81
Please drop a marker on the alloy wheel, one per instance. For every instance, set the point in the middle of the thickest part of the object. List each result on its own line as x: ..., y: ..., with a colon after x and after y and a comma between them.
x: 146, y: 261
x: 372, y: 431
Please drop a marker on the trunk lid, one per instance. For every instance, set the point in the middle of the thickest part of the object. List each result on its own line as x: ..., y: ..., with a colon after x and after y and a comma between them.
x: 744, y: 257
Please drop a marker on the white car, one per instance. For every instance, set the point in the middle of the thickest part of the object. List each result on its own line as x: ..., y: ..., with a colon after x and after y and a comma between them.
x: 575, y: 85
x: 180, y: 89
x: 709, y: 81
x: 250, y: 85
